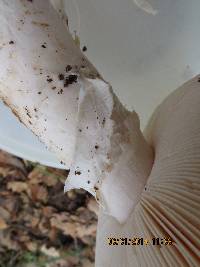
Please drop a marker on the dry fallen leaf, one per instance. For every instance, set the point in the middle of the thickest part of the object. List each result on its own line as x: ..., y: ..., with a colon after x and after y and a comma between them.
x: 48, y: 211
x: 7, y: 242
x: 73, y: 228
x: 24, y: 238
x: 5, y: 215
x: 51, y: 252
x: 59, y: 221
x: 87, y: 263
x: 31, y: 246
x: 53, y: 234
x: 10, y: 203
x: 18, y: 187
x: 36, y: 176
x: 3, y: 224
x: 47, y: 176
x: 7, y: 159
x: 44, y: 226
x: 38, y: 193
x: 84, y: 230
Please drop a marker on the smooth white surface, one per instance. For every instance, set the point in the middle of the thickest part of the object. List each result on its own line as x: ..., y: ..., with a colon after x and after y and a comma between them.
x: 18, y: 140
x: 143, y: 56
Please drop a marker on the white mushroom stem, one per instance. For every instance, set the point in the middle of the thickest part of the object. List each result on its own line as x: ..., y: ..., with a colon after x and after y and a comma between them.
x: 112, y: 160
x: 59, y: 95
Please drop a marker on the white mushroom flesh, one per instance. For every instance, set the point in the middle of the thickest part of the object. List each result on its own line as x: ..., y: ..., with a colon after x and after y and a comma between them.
x: 59, y: 95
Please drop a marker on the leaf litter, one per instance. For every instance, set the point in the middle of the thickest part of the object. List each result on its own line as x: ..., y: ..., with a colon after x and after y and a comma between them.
x: 39, y: 224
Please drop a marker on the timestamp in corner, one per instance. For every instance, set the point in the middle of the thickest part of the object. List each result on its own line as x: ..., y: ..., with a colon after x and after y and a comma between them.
x: 139, y: 241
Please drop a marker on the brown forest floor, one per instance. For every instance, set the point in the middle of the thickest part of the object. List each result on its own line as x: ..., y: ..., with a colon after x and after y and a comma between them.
x: 40, y: 226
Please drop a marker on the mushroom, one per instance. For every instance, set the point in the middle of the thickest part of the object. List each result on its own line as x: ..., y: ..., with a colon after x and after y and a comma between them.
x: 146, y: 184
x: 167, y: 214
x: 57, y: 93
